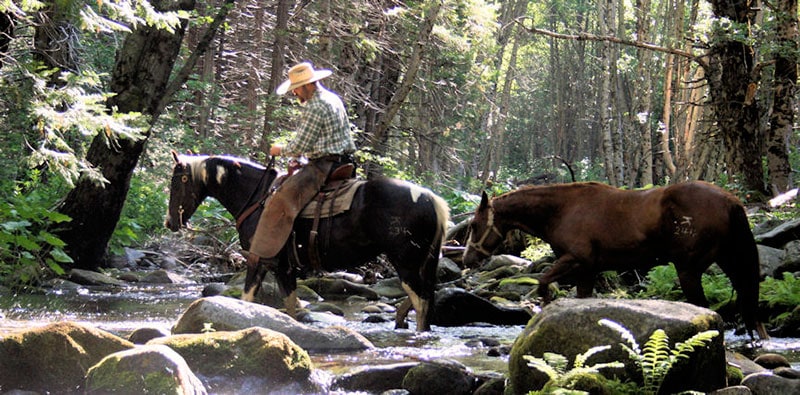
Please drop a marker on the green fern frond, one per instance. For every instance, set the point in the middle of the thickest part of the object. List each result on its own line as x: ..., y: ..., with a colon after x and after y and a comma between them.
x: 570, y: 379
x: 624, y: 333
x: 656, y: 360
x: 557, y: 361
x: 607, y: 365
x: 656, y: 357
x: 699, y: 340
x: 542, y: 366
x: 580, y: 359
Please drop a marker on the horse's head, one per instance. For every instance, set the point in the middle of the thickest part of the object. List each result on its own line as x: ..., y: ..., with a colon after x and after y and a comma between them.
x: 186, y: 192
x: 484, y: 236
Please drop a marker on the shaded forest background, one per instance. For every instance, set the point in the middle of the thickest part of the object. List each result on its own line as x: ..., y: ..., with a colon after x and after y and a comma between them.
x: 458, y: 95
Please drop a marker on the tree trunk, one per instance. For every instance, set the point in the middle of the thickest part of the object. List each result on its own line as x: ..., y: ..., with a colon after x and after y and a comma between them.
x: 782, y: 117
x: 276, y: 70
x: 733, y: 92
x: 508, y: 12
x: 380, y: 136
x: 605, y: 19
x: 643, y: 101
x: 140, y: 81
x: 666, y: 151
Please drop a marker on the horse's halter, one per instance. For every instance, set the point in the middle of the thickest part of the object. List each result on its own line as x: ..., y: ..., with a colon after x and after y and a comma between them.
x: 490, y: 228
x: 186, y: 177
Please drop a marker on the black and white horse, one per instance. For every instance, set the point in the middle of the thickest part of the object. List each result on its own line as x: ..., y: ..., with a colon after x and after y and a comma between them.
x: 403, y: 221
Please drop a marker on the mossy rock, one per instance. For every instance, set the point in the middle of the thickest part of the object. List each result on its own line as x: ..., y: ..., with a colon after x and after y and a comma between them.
x: 150, y: 369
x: 54, y: 358
x: 592, y: 383
x: 254, y: 351
x: 570, y: 326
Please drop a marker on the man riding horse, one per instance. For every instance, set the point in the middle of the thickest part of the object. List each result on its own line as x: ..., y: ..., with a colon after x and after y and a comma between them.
x: 324, y: 137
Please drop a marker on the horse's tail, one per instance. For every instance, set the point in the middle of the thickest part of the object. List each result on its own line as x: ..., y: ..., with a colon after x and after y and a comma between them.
x: 746, y: 274
x: 442, y: 218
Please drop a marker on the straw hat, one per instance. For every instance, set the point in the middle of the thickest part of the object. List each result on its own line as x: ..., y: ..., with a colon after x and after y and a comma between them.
x: 301, y: 74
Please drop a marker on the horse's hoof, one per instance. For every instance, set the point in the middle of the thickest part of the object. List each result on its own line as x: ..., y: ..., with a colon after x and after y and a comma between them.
x: 401, y: 325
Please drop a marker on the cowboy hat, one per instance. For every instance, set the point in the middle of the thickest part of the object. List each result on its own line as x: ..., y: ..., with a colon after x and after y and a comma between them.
x: 301, y: 74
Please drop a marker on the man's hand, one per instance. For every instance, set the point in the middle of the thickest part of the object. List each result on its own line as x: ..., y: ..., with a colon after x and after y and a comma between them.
x: 275, y: 150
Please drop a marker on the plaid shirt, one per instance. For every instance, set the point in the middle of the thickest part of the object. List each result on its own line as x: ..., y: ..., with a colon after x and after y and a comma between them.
x: 324, y: 128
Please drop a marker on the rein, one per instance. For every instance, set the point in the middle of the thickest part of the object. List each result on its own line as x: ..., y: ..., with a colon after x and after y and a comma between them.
x: 248, y: 210
x: 490, y: 228
x: 185, y: 175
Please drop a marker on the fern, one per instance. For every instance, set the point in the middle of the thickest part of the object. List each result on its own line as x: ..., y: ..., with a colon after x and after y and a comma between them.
x: 656, y: 359
x: 785, y: 292
x: 555, y: 367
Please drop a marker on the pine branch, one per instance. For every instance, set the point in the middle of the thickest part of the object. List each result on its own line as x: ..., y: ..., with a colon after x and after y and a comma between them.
x: 699, y: 59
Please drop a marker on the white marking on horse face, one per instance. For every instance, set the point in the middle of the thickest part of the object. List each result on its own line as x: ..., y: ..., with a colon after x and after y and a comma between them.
x: 199, y: 172
x: 220, y: 174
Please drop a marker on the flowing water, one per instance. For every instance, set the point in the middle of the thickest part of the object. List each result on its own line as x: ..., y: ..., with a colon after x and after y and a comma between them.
x: 122, y: 310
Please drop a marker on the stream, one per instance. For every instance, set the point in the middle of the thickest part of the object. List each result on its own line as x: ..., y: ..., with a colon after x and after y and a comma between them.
x: 123, y: 310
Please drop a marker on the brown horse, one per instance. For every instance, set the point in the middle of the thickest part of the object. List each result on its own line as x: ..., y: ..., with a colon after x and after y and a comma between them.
x: 401, y: 220
x: 593, y: 227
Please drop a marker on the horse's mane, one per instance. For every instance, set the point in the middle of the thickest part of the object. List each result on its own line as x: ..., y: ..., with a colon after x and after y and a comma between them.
x: 199, y: 164
x: 551, y: 189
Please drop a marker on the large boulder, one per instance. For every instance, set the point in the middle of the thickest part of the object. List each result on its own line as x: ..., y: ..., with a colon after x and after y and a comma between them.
x: 780, y: 235
x: 53, y: 358
x: 250, y: 352
x: 338, y: 288
x: 769, y: 383
x: 221, y: 313
x: 88, y: 277
x: 149, y: 369
x: 440, y: 377
x: 570, y: 327
x: 457, y: 307
x: 374, y: 379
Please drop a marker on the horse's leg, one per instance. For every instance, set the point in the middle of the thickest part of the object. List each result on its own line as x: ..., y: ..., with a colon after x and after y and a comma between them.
x: 287, y: 283
x: 745, y: 277
x: 585, y: 285
x: 290, y: 303
x: 692, y: 286
x: 402, y: 314
x: 252, y: 281
x: 421, y: 305
x: 564, y: 265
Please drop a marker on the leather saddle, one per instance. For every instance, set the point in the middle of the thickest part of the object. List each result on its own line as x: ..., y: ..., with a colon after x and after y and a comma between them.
x: 336, y: 195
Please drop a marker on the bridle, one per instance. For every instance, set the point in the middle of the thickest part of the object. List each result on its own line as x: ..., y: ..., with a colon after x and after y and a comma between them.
x: 186, y: 176
x: 490, y: 228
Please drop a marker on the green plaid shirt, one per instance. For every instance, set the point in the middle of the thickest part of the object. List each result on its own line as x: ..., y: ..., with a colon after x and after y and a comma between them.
x: 324, y: 128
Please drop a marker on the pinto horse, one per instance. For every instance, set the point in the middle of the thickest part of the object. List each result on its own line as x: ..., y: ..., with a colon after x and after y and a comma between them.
x: 401, y: 220
x: 594, y: 227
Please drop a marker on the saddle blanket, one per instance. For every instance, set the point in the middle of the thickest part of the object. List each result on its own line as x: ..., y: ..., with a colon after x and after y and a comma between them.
x: 341, y: 200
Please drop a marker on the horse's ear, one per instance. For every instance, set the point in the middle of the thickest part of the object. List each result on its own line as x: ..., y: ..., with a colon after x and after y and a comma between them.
x: 175, y: 156
x: 484, y: 201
